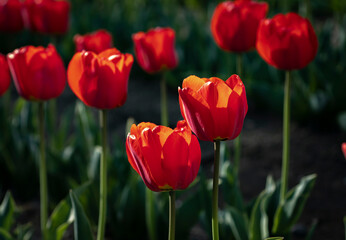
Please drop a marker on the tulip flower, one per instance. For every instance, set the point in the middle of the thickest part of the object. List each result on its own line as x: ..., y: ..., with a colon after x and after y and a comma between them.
x: 5, y: 77
x: 214, y: 109
x: 38, y: 72
x: 152, y: 153
x: 287, y: 42
x: 100, y: 80
x: 39, y: 75
x: 48, y: 16
x: 95, y: 42
x: 343, y: 148
x: 234, y: 24
x: 11, y: 19
x: 155, y: 49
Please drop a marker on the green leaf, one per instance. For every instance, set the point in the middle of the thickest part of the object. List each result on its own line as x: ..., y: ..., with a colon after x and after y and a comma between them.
x: 24, y: 232
x: 274, y: 238
x: 7, y: 209
x: 82, y: 229
x: 345, y: 225
x: 289, y: 212
x: 233, y: 223
x: 259, y: 220
x: 5, y: 235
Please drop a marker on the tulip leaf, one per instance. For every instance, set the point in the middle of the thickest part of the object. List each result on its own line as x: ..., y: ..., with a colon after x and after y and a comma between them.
x: 274, y: 238
x: 5, y: 235
x: 82, y: 229
x: 345, y: 225
x: 7, y: 210
x: 259, y: 220
x: 289, y: 212
x: 233, y: 223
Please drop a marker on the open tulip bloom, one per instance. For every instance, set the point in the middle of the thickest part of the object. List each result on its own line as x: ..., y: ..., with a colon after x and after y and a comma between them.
x: 95, y: 42
x: 100, y: 81
x: 287, y: 42
x: 215, y: 111
x: 166, y: 159
x: 39, y: 75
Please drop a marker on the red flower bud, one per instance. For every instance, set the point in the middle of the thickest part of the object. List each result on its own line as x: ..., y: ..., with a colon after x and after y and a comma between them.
x: 11, y: 19
x: 95, y: 42
x: 48, y: 16
x: 5, y: 77
x: 343, y: 148
x: 100, y: 80
x: 155, y: 49
x: 287, y: 42
x: 214, y: 109
x: 38, y: 72
x: 234, y: 24
x: 166, y: 159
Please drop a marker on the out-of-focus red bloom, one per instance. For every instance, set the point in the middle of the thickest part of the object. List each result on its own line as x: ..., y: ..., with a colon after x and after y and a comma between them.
x: 100, y: 80
x: 343, y: 148
x: 155, y: 50
x: 38, y: 72
x: 287, y: 42
x: 166, y: 159
x: 11, y: 19
x: 213, y: 108
x: 48, y: 16
x: 95, y: 42
x: 5, y: 77
x: 234, y: 24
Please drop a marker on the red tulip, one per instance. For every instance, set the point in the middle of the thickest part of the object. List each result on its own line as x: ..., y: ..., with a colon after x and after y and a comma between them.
x: 234, y: 24
x: 38, y: 72
x: 155, y: 49
x: 214, y: 109
x: 287, y: 42
x: 343, y: 148
x: 5, y: 77
x: 48, y: 16
x: 11, y: 19
x: 166, y: 159
x: 100, y: 80
x: 95, y: 42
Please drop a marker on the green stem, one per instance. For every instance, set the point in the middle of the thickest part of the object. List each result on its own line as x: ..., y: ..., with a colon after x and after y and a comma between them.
x: 286, y: 138
x: 171, y: 231
x: 215, y: 222
x: 164, y: 109
x: 150, y: 214
x: 103, y: 177
x: 43, y: 174
x: 237, y: 141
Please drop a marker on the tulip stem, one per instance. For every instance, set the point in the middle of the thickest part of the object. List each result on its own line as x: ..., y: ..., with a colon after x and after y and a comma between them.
x: 164, y: 109
x: 237, y: 141
x: 286, y: 138
x: 150, y: 214
x: 215, y: 207
x: 43, y: 174
x: 171, y: 231
x: 103, y: 177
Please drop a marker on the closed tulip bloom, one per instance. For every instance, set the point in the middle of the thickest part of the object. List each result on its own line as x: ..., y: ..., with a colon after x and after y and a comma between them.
x: 214, y: 109
x: 11, y: 19
x: 95, y: 42
x: 234, y: 24
x: 343, y: 148
x: 38, y: 72
x: 5, y: 77
x: 155, y: 50
x: 100, y: 80
x: 48, y: 16
x: 166, y: 159
x: 287, y: 42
